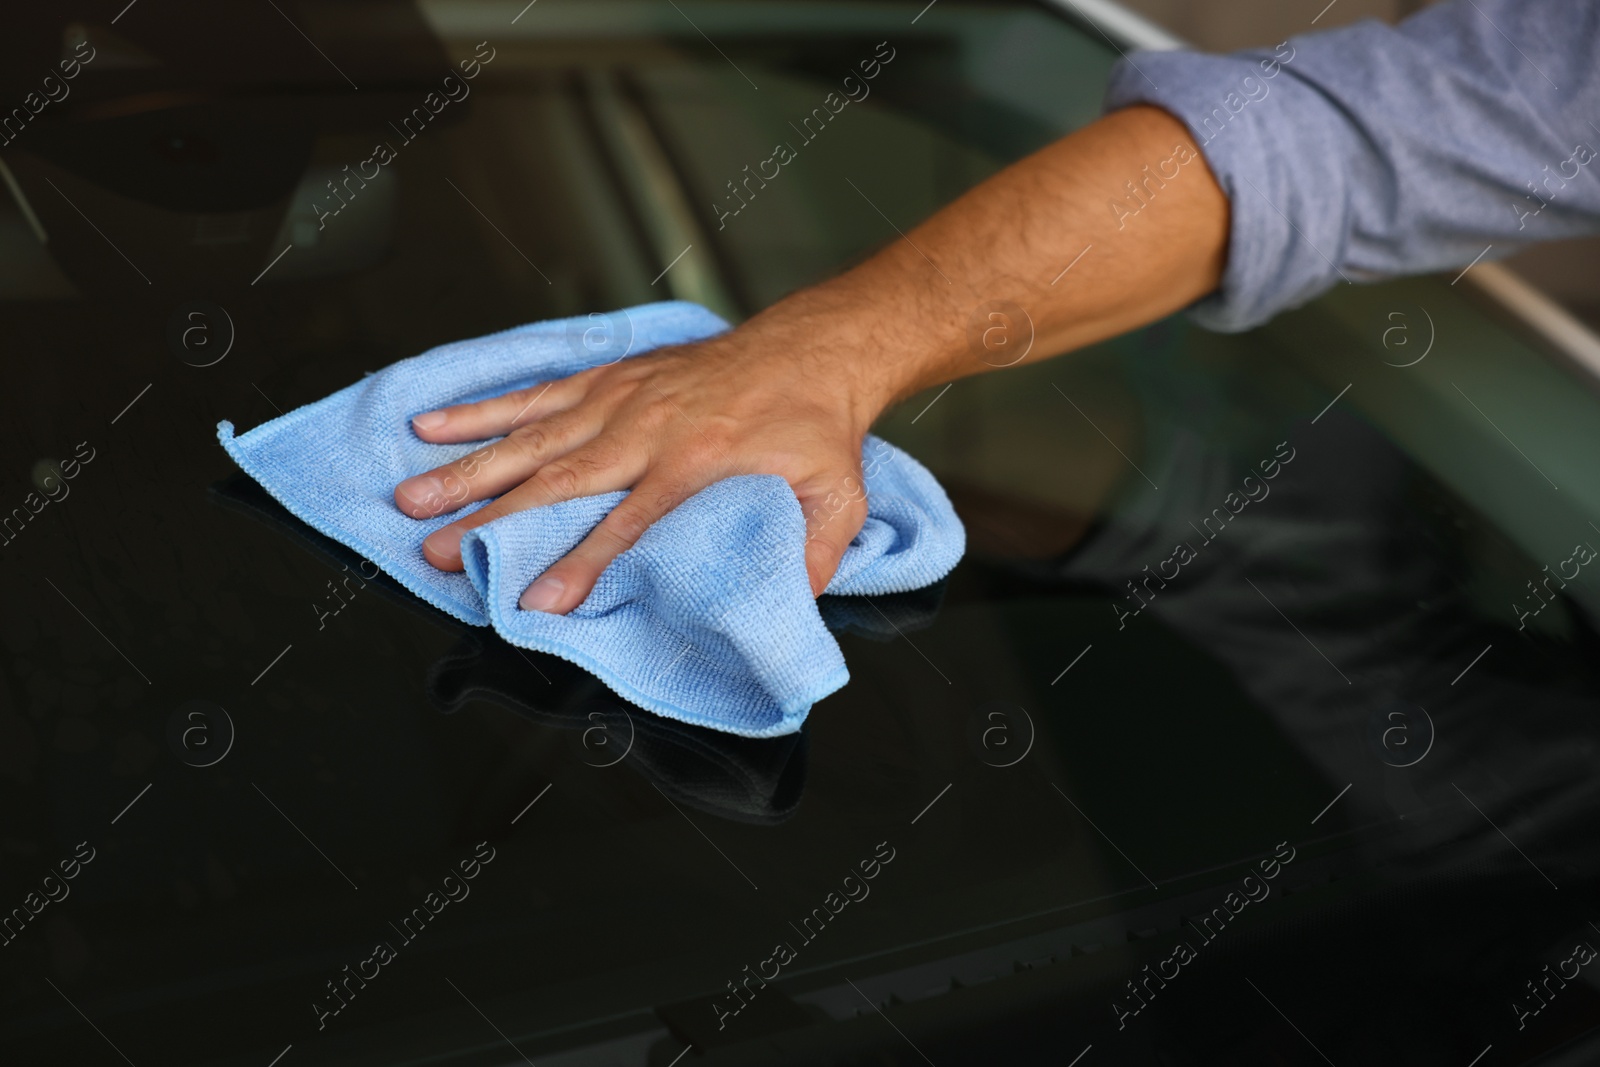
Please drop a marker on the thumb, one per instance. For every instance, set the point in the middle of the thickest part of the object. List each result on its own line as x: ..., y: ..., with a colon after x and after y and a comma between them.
x: 833, y: 518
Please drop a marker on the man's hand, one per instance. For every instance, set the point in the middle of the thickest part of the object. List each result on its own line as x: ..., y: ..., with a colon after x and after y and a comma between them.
x: 793, y: 391
x: 665, y: 425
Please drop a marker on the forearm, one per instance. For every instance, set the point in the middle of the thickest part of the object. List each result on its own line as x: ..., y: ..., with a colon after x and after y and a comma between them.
x: 916, y: 313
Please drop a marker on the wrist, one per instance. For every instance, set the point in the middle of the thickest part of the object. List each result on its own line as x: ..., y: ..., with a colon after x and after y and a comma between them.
x: 871, y: 342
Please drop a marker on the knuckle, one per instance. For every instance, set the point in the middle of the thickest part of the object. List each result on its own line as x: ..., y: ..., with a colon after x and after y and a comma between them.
x: 656, y: 413
x: 588, y: 377
x: 665, y: 498
x: 523, y: 401
x: 625, y: 526
x: 531, y: 441
x: 559, y: 480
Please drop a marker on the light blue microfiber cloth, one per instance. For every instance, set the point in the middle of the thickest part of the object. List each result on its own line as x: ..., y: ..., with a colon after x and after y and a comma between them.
x: 708, y: 619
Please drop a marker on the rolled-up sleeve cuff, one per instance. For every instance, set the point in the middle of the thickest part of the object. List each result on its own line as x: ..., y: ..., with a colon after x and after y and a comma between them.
x: 1273, y: 143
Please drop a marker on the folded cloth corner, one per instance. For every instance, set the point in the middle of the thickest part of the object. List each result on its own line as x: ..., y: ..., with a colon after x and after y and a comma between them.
x: 707, y: 619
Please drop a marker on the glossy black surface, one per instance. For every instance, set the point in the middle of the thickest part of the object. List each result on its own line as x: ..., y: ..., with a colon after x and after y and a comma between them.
x: 1337, y: 717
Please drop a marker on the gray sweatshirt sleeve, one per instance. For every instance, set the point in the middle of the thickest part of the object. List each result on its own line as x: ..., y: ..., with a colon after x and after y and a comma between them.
x: 1373, y: 151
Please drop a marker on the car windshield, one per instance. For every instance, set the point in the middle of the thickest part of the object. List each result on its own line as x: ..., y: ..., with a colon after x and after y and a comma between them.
x: 1258, y: 725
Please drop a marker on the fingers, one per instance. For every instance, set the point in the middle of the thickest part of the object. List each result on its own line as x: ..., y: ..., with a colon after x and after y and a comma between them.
x: 599, y: 467
x: 497, y: 415
x: 834, y: 515
x: 565, y: 585
x: 494, y: 469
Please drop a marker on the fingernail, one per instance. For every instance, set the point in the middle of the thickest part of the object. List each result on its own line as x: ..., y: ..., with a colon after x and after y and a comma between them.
x: 425, y: 493
x: 445, y: 542
x: 543, y: 594
x: 430, y: 420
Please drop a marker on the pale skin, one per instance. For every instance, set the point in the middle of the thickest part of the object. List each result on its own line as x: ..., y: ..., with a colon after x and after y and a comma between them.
x: 793, y: 391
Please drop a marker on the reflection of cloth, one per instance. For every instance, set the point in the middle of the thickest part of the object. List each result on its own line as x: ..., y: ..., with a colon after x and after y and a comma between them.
x: 743, y: 779
x: 882, y: 618
x: 750, y: 780
x: 1372, y: 151
x: 709, y: 619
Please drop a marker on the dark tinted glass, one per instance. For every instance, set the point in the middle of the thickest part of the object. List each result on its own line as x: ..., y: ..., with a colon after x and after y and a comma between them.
x: 1258, y: 726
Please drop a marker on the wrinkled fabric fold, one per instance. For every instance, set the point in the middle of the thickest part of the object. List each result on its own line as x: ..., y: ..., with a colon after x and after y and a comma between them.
x: 708, y: 619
